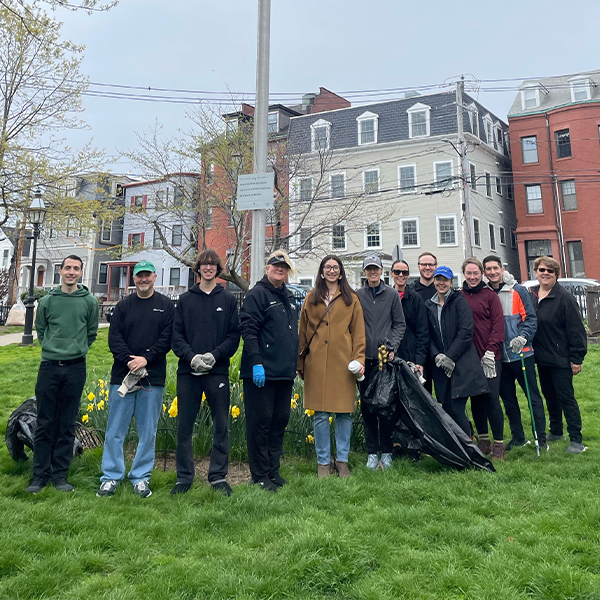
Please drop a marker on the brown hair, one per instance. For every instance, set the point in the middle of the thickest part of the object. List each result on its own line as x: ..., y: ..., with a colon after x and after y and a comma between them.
x: 472, y: 261
x: 400, y: 261
x: 208, y: 257
x: 427, y: 254
x: 72, y: 257
x: 320, y: 290
x: 492, y: 258
x: 549, y: 262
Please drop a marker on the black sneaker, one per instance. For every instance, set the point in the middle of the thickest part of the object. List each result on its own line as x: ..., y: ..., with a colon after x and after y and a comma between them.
x: 180, y: 488
x: 266, y: 484
x: 37, y: 485
x: 62, y: 485
x: 278, y: 480
x: 576, y: 448
x: 554, y: 438
x: 222, y: 486
x: 107, y: 488
x: 142, y: 489
x: 516, y: 443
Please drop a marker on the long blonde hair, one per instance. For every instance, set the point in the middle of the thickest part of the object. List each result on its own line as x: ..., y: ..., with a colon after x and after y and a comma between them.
x: 285, y: 255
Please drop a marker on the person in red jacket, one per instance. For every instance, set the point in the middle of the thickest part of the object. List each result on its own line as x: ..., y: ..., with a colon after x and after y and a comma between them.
x: 488, y: 337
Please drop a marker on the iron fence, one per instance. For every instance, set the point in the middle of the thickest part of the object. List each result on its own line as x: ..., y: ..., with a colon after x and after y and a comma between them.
x: 4, y: 310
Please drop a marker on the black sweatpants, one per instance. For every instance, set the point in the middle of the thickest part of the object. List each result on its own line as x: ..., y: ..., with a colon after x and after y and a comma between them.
x: 512, y: 372
x: 189, y: 398
x: 557, y: 387
x: 58, y: 395
x: 486, y: 407
x: 267, y: 415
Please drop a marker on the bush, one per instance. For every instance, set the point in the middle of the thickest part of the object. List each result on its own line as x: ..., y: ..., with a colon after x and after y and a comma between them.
x: 37, y: 294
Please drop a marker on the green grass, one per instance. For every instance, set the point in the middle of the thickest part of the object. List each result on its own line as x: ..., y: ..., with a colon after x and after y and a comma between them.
x: 531, y: 530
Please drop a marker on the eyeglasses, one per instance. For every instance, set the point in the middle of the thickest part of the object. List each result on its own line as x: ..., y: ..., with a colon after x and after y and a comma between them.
x: 331, y: 268
x: 543, y: 270
x: 406, y: 273
x: 428, y: 265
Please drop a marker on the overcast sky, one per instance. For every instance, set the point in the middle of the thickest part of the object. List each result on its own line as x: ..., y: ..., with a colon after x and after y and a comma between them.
x: 343, y: 45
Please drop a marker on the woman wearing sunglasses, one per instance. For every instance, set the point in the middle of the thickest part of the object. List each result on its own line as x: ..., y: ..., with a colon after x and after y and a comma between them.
x: 560, y: 344
x: 334, y: 339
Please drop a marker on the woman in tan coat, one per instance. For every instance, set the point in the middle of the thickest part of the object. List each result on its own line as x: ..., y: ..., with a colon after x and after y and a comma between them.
x: 329, y: 386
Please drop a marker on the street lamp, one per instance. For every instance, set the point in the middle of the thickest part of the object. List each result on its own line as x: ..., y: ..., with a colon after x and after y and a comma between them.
x: 37, y: 212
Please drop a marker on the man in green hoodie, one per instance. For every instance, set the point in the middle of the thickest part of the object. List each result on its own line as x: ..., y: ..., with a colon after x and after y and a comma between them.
x: 66, y: 323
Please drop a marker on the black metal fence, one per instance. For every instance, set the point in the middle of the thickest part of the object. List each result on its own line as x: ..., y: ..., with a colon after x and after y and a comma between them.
x: 4, y: 310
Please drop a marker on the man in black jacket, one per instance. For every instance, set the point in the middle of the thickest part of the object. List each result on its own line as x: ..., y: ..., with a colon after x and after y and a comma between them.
x: 205, y: 336
x: 139, y: 338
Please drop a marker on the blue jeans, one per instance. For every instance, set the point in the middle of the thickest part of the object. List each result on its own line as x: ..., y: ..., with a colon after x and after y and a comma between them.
x: 146, y: 405
x: 343, y: 430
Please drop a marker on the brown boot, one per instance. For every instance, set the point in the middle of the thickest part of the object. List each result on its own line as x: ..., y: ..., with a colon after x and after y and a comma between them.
x: 323, y: 471
x: 343, y: 469
x: 498, y: 451
x: 485, y: 446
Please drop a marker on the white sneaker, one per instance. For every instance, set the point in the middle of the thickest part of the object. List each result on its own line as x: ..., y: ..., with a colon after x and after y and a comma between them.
x: 142, y: 489
x: 107, y: 488
x: 372, y: 461
x: 386, y: 460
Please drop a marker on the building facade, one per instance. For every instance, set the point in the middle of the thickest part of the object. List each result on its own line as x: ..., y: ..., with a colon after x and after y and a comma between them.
x: 554, y: 128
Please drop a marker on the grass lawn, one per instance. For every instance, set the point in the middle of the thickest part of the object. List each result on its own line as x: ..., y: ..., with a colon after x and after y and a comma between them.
x: 531, y: 530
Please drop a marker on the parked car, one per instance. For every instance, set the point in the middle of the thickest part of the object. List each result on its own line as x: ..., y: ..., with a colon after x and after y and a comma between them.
x: 299, y: 292
x: 568, y: 282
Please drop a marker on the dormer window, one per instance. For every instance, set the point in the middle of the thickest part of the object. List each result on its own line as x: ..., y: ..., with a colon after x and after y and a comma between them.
x: 474, y: 119
x: 273, y: 123
x: 419, y: 120
x: 530, y: 94
x: 320, y: 134
x: 367, y: 128
x: 489, y: 130
x: 231, y: 126
x: 581, y: 89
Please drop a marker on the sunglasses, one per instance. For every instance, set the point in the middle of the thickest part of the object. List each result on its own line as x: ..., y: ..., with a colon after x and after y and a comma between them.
x: 406, y: 273
x: 544, y: 270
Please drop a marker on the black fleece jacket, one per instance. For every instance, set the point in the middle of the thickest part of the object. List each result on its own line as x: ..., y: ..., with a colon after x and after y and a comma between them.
x: 425, y: 291
x: 415, y: 343
x: 206, y: 323
x: 141, y: 327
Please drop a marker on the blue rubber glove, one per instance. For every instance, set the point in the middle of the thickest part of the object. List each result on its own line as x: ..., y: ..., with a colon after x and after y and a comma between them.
x: 258, y: 375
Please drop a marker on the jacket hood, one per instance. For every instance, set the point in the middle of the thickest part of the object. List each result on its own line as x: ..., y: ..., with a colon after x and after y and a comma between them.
x: 196, y: 289
x: 449, y: 297
x: 80, y: 291
x: 508, y: 282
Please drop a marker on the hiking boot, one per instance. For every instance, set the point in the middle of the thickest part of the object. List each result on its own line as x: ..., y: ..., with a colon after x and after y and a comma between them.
x: 498, y: 451
x: 181, y: 488
x: 37, y: 485
x: 323, y: 471
x: 516, y: 443
x: 343, y: 470
x: 554, y: 438
x: 485, y: 446
x: 372, y: 461
x: 222, y: 486
x: 266, y: 484
x: 62, y: 485
x: 107, y: 488
x: 386, y: 460
x: 278, y: 480
x: 576, y: 448
x: 142, y: 489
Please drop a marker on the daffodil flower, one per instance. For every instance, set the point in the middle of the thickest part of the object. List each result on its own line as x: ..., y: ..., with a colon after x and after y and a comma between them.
x: 85, y: 419
x: 90, y: 407
x: 173, y: 408
x: 296, y: 396
x: 294, y: 404
x: 310, y: 439
x: 91, y: 396
x: 330, y: 420
x: 235, y: 411
x: 101, y: 405
x: 309, y: 413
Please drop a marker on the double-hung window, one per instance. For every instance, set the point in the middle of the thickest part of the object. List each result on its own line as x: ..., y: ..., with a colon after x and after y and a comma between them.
x: 371, y: 181
x: 567, y: 192
x: 446, y: 231
x: 410, y: 233
x: 338, y: 185
x: 373, y: 236
x: 407, y: 178
x: 338, y: 237
x: 533, y: 193
x: 563, y: 143
x: 443, y: 175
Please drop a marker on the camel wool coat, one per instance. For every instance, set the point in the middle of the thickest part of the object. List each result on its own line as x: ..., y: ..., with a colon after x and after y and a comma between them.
x: 328, y: 385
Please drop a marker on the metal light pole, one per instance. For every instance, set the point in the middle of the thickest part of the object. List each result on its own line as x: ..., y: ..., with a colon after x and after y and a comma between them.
x: 37, y: 212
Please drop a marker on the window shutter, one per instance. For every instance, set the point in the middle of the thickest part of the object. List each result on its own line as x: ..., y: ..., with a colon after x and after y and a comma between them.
x: 130, y: 239
x: 142, y: 239
x: 132, y: 201
x: 144, y: 202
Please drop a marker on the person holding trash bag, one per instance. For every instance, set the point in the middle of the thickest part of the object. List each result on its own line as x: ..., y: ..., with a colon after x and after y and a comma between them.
x: 332, y: 338
x: 384, y: 320
x: 457, y: 372
x: 269, y: 326
x: 560, y: 347
x: 488, y: 337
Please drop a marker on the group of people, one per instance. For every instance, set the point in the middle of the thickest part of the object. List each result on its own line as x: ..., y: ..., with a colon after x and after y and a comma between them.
x: 471, y: 343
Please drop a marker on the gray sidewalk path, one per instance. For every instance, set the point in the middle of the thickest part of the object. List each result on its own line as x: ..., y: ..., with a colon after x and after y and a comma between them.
x: 15, y: 338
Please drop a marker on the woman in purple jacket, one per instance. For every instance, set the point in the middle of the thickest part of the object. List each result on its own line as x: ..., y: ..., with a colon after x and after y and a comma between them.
x: 488, y: 338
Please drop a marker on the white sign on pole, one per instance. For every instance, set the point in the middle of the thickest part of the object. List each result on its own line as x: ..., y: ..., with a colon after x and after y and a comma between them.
x: 255, y: 191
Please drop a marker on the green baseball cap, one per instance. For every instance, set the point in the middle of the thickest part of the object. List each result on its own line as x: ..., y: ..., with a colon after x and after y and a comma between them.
x: 144, y: 265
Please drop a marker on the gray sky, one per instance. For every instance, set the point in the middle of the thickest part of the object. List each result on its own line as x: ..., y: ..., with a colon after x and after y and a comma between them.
x: 343, y: 45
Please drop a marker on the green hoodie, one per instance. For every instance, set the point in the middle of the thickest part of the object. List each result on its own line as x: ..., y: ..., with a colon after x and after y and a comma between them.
x: 66, y: 324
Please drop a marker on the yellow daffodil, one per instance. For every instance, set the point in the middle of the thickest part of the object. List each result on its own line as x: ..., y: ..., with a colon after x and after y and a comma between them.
x: 309, y: 413
x: 101, y: 382
x: 90, y: 407
x: 85, y: 419
x: 173, y: 408
x: 203, y: 396
x: 294, y: 404
x: 296, y: 396
x: 164, y: 407
x: 101, y: 405
x: 241, y: 397
x: 91, y: 396
x: 310, y: 439
x: 330, y: 420
x: 235, y: 411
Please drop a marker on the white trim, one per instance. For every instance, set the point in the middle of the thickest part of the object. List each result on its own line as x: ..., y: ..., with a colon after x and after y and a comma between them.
x: 414, y: 188
x: 474, y: 118
x: 107, y: 272
x: 378, y: 181
x: 435, y: 177
x: 489, y: 189
x: 418, y: 108
x: 588, y: 83
x: 302, y: 245
x: 102, y: 231
x: 275, y: 112
x: 316, y: 125
x: 297, y: 188
x: 340, y: 224
x: 366, y: 247
x: 502, y: 229
x: 492, y: 229
x: 437, y: 229
x: 489, y: 135
x: 498, y: 185
x: 367, y: 116
x: 479, y: 232
x: 310, y: 278
x: 473, y: 176
x: 533, y: 86
x: 402, y: 221
x: 343, y: 174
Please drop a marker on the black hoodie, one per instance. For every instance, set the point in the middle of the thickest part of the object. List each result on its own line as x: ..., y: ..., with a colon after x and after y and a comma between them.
x: 269, y: 325
x: 206, y: 323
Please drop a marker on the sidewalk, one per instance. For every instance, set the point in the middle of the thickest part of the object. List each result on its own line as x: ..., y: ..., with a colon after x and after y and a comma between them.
x: 15, y: 338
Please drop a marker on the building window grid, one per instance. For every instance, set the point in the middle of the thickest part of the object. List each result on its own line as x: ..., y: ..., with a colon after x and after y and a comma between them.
x: 174, y: 276
x: 177, y: 235
x: 306, y: 239
x: 320, y: 135
x: 106, y: 234
x: 338, y: 237
x: 306, y: 189
x: 563, y: 143
x: 473, y: 171
x: 476, y: 233
x: 103, y: 274
x: 498, y: 186
x: 373, y: 236
x: 575, y: 254
x: 529, y: 149
x: 371, y: 181
x: 488, y: 184
x: 502, y: 236
x: 533, y: 193
x: 407, y: 181
x: 492, y: 230
x: 568, y: 194
x: 410, y: 233
x: 443, y: 175
x: 447, y: 231
x: 338, y: 185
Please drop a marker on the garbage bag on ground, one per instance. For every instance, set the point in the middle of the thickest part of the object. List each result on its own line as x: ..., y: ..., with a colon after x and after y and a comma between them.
x: 16, y: 315
x: 20, y: 431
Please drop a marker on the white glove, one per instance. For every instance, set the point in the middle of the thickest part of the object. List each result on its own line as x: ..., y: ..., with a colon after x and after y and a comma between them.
x: 445, y: 363
x: 488, y: 364
x: 209, y: 360
x: 197, y: 363
x: 131, y: 383
x: 517, y: 344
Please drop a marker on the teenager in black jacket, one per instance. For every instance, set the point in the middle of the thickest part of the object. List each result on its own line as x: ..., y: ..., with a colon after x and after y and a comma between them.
x: 560, y: 346
x: 205, y: 336
x: 269, y: 325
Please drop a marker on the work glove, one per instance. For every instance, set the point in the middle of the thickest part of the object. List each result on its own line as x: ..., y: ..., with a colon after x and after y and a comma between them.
x: 445, y: 363
x: 258, y: 375
x: 488, y: 364
x: 209, y: 360
x: 197, y: 363
x: 517, y: 344
x: 131, y: 383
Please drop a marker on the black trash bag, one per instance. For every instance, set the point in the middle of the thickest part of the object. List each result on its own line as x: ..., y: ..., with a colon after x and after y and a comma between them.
x: 20, y: 431
x: 429, y: 424
x: 381, y: 395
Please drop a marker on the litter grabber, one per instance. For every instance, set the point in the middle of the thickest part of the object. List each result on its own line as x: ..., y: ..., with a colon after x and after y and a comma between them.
x: 535, y: 437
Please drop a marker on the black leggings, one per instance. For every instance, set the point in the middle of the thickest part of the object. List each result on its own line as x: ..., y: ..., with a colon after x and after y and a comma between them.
x: 487, y: 408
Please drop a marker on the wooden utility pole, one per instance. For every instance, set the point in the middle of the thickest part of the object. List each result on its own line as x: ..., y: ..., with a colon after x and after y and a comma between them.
x: 464, y: 167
